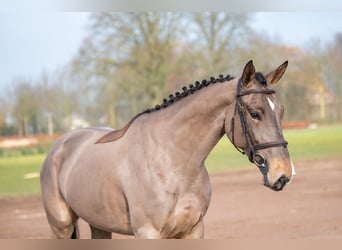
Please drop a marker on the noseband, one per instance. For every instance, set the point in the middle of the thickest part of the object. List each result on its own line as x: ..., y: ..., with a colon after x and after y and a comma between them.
x: 254, y: 157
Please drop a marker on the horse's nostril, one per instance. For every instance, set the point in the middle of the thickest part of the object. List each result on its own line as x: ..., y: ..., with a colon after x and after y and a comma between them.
x: 284, y: 179
x: 280, y: 183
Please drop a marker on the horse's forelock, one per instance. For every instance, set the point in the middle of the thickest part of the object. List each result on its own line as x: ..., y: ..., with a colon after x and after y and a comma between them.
x: 260, y: 78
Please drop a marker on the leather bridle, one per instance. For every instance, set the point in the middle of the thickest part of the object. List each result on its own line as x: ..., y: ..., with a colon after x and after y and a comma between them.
x: 255, y: 157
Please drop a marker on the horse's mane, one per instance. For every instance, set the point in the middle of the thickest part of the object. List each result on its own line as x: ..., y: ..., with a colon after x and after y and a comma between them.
x: 173, y: 98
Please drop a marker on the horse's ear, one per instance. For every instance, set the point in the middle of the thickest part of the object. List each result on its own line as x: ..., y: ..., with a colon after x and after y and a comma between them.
x: 275, y: 75
x: 248, y: 73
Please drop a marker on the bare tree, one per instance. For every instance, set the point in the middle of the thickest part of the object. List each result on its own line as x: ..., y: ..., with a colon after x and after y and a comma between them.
x: 219, y: 34
x: 136, y: 46
x: 331, y: 67
x: 26, y: 109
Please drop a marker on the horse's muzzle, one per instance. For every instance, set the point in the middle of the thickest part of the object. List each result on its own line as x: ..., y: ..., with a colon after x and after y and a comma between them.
x: 279, y: 184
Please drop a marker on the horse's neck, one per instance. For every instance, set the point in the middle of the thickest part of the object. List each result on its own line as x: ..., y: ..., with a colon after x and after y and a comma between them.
x: 197, y: 121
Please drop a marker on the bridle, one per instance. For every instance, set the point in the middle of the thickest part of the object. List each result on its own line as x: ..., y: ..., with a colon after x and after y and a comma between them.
x: 255, y: 157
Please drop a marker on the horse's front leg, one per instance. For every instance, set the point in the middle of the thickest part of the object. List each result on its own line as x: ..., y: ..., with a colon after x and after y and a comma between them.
x: 147, y: 231
x: 197, y: 231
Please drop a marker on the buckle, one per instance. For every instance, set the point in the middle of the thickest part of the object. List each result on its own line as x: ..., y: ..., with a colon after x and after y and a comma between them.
x: 259, y: 160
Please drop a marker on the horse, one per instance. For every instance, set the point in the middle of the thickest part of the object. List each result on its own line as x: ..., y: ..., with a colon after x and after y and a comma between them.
x: 148, y: 179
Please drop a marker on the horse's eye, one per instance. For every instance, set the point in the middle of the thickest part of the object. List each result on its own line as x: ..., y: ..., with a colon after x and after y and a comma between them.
x: 256, y: 116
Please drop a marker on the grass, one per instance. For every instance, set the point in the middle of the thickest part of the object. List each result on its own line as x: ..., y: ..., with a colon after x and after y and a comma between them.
x: 12, y: 175
x: 310, y: 144
x: 304, y: 144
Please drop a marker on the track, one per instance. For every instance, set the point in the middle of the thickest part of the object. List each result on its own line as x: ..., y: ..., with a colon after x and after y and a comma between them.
x: 310, y: 207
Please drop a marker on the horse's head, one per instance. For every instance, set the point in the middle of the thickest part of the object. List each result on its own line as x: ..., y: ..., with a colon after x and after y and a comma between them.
x: 253, y: 125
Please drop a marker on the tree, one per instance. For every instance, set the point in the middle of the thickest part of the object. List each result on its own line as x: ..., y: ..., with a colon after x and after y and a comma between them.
x: 219, y: 34
x: 2, y: 112
x: 127, y: 55
x: 26, y: 109
x: 6, y: 128
x: 54, y: 106
x: 331, y: 67
x: 294, y: 90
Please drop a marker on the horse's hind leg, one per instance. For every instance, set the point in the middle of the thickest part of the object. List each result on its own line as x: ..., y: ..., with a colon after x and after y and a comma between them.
x: 62, y: 220
x: 99, y: 234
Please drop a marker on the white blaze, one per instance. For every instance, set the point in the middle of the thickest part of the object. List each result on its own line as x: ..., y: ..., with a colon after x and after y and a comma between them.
x: 271, y: 104
x: 293, y: 172
x: 293, y: 169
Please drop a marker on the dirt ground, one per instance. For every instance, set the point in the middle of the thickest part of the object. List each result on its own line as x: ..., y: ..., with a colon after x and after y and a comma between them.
x: 241, y: 207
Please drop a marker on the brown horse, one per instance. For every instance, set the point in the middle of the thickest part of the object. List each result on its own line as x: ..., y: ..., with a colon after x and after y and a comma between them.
x: 148, y: 179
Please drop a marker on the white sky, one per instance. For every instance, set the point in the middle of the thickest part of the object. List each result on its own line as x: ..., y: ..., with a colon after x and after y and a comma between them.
x: 299, y: 28
x: 31, y: 42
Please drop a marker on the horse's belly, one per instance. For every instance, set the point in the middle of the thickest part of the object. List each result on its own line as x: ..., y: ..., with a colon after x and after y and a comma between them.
x: 116, y: 223
x: 106, y: 210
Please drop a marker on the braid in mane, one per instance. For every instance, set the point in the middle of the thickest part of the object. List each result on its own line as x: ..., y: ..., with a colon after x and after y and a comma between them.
x: 192, y: 88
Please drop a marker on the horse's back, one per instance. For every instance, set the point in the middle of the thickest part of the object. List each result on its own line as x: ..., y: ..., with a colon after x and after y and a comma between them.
x: 70, y: 143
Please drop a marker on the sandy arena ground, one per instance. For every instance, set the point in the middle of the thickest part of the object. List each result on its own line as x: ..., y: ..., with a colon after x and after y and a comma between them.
x: 241, y: 207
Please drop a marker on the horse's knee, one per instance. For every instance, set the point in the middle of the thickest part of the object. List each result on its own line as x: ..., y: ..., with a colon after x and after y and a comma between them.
x: 197, y: 232
x: 146, y: 232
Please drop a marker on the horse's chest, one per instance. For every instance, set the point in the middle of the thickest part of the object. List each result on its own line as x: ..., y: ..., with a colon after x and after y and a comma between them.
x: 173, y: 207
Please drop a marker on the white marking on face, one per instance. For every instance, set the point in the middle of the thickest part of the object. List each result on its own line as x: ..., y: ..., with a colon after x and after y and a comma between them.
x: 293, y: 169
x: 293, y: 172
x: 271, y: 104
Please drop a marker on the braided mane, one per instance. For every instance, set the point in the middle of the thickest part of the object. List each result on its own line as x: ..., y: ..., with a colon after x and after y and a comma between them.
x: 173, y: 98
x: 187, y: 91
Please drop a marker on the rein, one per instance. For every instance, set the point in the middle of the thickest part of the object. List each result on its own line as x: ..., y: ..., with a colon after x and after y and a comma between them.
x: 254, y: 157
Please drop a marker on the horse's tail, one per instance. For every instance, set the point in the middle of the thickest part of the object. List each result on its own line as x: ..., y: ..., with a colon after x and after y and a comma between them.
x: 62, y: 220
